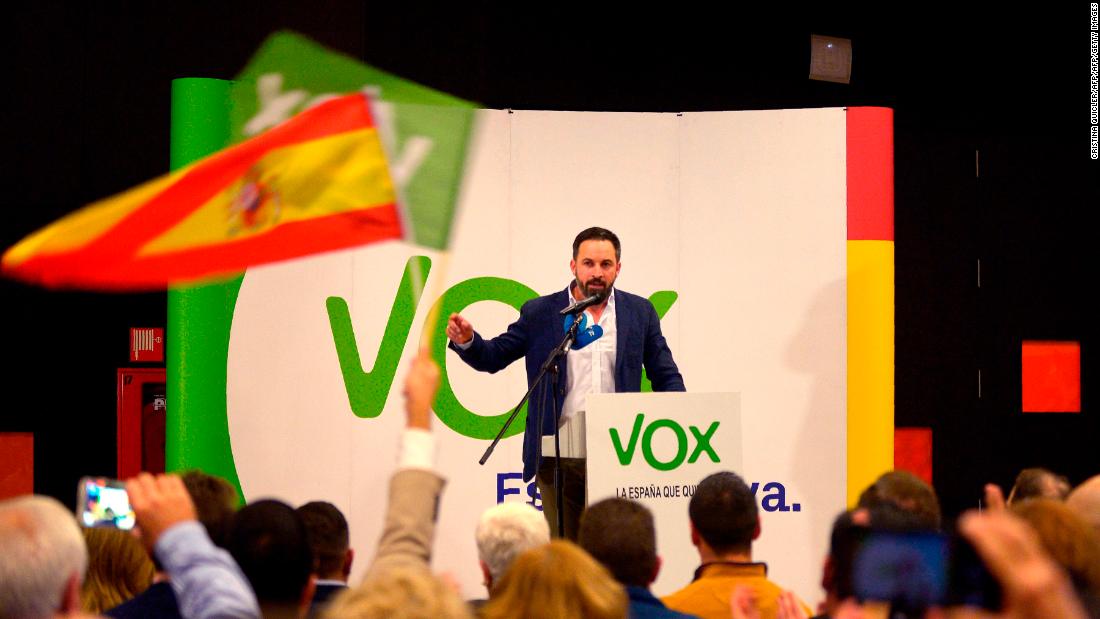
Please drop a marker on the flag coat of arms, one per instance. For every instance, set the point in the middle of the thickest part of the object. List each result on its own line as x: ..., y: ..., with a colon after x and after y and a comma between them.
x: 317, y: 182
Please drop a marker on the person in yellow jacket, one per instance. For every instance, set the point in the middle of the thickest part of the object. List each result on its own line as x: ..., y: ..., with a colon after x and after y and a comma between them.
x: 724, y: 522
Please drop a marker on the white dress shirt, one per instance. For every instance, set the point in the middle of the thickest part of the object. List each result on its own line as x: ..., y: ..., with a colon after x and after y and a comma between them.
x: 588, y: 370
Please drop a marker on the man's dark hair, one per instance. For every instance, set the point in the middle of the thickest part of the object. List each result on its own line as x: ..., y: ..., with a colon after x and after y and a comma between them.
x: 907, y: 491
x: 597, y: 234
x: 620, y: 534
x: 328, y: 536
x: 724, y: 512
x: 269, y: 543
x: 215, y: 502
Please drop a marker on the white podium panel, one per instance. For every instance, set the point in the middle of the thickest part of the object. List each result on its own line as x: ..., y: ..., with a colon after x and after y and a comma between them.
x: 655, y: 448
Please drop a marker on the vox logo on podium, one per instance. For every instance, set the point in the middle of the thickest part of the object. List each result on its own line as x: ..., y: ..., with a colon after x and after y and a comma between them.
x: 645, y: 437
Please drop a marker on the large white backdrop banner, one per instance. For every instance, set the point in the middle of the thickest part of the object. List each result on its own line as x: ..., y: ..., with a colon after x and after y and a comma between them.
x: 741, y: 214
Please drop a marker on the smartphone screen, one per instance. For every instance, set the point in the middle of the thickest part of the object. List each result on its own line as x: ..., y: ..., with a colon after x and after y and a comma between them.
x: 103, y: 502
x: 905, y: 569
x: 914, y: 571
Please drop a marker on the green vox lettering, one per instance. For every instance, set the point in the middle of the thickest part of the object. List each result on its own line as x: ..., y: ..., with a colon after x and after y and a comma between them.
x: 368, y: 390
x: 626, y: 456
x: 702, y: 443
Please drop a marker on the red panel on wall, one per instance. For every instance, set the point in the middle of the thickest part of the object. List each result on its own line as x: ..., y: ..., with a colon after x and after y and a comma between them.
x: 16, y: 464
x: 913, y: 451
x: 141, y: 421
x: 870, y: 162
x: 1051, y: 377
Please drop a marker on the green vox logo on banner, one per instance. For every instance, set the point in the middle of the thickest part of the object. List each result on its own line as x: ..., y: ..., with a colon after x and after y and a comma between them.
x: 700, y: 438
x: 369, y: 390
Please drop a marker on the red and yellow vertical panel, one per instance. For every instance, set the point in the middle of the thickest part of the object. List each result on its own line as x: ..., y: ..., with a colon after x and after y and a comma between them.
x: 870, y: 178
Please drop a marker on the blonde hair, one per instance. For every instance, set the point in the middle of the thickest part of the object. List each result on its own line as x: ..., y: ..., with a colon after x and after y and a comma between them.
x: 408, y: 592
x: 556, y: 580
x: 118, y: 569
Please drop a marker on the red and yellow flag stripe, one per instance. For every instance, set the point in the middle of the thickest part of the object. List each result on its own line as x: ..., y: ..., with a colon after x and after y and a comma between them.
x: 317, y: 182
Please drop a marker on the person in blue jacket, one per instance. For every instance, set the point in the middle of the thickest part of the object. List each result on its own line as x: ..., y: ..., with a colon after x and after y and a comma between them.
x: 621, y: 335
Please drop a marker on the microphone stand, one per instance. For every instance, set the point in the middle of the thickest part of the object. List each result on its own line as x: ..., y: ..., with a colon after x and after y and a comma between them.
x: 549, y: 365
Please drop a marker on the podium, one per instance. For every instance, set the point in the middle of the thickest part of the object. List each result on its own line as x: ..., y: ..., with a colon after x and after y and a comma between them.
x: 654, y: 448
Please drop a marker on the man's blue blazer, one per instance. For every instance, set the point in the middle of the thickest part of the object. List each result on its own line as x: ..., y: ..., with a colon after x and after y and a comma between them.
x: 539, y: 329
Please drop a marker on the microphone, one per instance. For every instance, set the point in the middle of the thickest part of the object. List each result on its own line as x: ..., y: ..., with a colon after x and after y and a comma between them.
x: 583, y: 304
x: 585, y: 334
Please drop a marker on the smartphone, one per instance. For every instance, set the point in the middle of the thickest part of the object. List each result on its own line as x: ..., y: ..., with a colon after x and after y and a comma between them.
x: 914, y: 571
x: 103, y: 502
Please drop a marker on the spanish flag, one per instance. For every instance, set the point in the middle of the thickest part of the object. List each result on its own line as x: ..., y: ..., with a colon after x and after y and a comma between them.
x: 315, y: 183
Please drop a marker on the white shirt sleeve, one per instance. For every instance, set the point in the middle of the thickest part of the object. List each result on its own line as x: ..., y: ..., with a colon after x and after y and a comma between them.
x: 417, y: 450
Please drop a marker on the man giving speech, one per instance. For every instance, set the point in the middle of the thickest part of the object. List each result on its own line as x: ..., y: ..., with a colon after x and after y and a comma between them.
x: 622, y: 334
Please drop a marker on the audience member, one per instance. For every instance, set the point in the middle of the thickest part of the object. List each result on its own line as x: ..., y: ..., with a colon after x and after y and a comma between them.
x: 1038, y: 483
x: 848, y: 531
x: 1069, y: 541
x: 327, y: 531
x: 118, y: 569
x: 724, y: 522
x: 42, y: 558
x: 268, y: 540
x: 504, y: 532
x: 1085, y: 500
x: 215, y: 502
x: 620, y: 535
x: 398, y: 577
x: 906, y: 491
x: 206, y: 581
x: 1033, y: 585
x: 407, y: 591
x: 553, y: 581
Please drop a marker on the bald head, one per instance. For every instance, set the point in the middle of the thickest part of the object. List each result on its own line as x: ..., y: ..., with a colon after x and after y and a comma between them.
x: 1085, y: 500
x: 42, y: 558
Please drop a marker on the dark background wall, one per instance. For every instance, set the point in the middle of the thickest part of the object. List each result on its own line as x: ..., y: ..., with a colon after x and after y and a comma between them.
x: 86, y: 115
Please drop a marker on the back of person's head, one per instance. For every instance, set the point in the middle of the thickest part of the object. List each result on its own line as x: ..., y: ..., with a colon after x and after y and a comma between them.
x: 620, y: 534
x: 1085, y: 500
x: 215, y: 502
x: 42, y: 558
x: 724, y: 513
x: 556, y: 580
x: 328, y: 538
x: 1067, y: 538
x: 406, y: 591
x: 118, y: 569
x: 907, y: 491
x: 1038, y: 483
x: 506, y: 531
x: 269, y: 543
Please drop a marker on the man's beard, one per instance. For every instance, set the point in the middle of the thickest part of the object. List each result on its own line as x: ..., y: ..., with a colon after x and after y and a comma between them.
x: 604, y: 291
